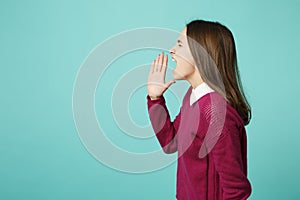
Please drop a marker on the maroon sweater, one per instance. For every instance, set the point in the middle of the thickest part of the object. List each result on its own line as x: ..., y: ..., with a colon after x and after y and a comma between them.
x: 210, y: 139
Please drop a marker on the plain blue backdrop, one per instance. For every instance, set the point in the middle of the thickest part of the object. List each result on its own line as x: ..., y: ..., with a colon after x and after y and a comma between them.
x: 43, y: 44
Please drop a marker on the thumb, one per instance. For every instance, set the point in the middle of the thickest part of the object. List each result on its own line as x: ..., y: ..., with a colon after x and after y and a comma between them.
x: 170, y: 83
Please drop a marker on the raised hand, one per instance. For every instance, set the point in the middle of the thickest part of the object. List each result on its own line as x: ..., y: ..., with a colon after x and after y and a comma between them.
x: 156, y: 80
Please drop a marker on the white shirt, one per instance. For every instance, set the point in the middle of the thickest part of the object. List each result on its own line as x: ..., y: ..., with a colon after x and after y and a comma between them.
x: 199, y: 91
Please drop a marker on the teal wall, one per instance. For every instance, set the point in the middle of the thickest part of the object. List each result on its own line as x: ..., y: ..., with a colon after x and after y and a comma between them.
x: 44, y: 43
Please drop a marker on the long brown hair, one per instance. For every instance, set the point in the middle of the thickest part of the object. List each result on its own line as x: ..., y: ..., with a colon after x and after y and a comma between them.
x: 218, y: 42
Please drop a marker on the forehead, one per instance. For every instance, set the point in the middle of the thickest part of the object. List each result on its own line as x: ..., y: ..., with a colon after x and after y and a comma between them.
x: 182, y: 35
x: 183, y: 32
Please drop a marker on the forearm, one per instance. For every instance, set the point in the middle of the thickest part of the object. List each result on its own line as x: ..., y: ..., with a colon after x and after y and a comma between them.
x: 164, y: 129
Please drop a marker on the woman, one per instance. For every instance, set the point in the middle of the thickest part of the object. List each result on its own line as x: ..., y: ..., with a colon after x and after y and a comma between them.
x: 209, y: 131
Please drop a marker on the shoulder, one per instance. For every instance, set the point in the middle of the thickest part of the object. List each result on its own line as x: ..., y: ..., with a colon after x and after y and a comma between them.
x: 213, y: 106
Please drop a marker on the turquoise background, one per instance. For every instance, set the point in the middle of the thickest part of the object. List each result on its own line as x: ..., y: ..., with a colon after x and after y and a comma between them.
x: 43, y: 44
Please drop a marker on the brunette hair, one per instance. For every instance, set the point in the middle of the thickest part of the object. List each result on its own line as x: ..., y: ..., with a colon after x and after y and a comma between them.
x: 218, y: 42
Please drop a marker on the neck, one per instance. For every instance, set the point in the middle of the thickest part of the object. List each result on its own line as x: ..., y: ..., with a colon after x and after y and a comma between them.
x: 195, y: 79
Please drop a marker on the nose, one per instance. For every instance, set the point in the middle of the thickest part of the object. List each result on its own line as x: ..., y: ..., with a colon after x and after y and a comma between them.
x: 172, y: 51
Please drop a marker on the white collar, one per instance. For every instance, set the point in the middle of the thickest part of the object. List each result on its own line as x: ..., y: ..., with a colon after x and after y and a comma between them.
x: 199, y: 91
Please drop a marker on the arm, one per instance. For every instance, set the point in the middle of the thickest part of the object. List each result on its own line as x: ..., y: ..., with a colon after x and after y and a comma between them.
x: 164, y: 129
x: 227, y: 155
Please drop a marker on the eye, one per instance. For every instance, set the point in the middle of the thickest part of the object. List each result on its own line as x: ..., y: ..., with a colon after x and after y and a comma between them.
x: 179, y: 43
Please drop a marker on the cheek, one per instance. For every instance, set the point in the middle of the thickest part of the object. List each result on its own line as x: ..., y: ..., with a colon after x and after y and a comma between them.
x: 184, y: 69
x: 185, y: 55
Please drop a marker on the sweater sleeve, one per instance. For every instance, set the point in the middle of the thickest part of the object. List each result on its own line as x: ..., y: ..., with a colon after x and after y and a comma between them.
x: 164, y: 129
x: 227, y: 154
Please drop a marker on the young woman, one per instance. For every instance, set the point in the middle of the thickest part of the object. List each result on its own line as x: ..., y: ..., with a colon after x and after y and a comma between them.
x: 209, y: 131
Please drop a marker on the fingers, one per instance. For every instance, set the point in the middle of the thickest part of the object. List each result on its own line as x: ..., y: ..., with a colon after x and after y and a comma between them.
x: 151, y: 70
x: 160, y: 63
x: 152, y: 66
x: 156, y: 65
x: 167, y: 85
x: 164, y: 64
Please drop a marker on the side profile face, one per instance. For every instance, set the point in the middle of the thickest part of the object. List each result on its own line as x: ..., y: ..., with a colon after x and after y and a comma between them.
x: 181, y: 54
